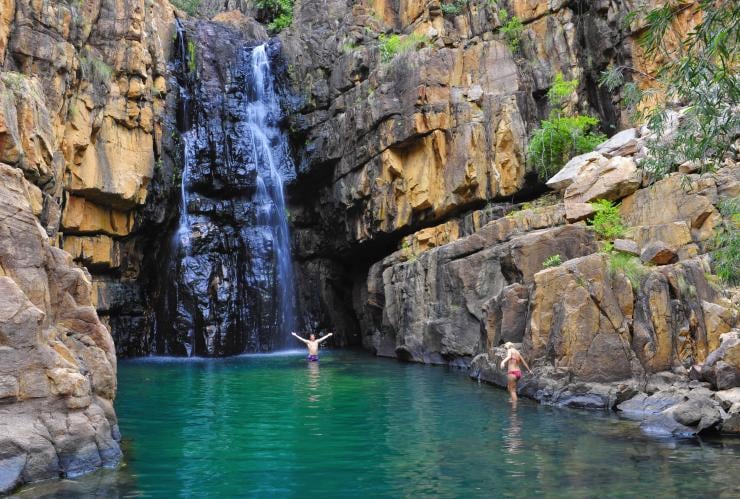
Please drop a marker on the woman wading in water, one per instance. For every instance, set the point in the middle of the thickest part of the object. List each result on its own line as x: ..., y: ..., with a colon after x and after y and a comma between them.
x: 513, y: 357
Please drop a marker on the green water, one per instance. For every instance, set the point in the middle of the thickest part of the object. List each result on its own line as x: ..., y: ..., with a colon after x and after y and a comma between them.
x: 275, y: 426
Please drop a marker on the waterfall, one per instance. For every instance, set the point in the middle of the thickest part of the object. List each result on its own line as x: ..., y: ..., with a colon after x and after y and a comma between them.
x: 231, y: 283
x: 263, y: 111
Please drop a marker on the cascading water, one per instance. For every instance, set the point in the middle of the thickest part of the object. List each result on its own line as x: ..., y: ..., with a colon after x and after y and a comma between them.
x: 263, y: 110
x: 231, y: 285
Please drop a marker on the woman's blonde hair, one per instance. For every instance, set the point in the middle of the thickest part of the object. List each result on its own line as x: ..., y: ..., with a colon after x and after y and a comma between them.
x: 508, y: 344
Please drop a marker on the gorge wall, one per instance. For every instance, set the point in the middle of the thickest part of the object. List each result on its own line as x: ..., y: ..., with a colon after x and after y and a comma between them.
x: 415, y: 230
x: 82, y: 110
x: 389, y: 145
x: 414, y: 190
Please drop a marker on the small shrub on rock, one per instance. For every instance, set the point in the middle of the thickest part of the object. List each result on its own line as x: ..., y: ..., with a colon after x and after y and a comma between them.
x: 453, y: 8
x: 512, y: 30
x: 393, y: 45
x: 279, y: 13
x: 552, y: 261
x: 726, y: 253
x: 564, y: 134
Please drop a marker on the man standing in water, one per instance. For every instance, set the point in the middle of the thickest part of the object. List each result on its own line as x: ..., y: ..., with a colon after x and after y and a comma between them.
x: 513, y: 357
x: 313, y: 345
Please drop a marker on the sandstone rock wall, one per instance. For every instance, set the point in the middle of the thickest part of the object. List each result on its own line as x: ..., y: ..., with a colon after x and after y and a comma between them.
x: 391, y: 143
x: 57, y: 360
x: 82, y: 113
x: 442, y: 125
x: 598, y: 325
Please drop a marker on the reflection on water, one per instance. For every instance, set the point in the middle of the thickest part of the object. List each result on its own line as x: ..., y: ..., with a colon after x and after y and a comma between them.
x: 277, y: 426
x: 513, y: 438
x: 313, y: 383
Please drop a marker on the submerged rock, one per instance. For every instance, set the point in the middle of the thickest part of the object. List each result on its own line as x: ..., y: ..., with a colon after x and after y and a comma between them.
x: 663, y: 425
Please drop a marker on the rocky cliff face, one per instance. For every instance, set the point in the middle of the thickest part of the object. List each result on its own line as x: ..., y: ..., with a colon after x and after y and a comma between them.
x: 82, y: 110
x: 83, y: 92
x: 414, y: 228
x: 412, y: 135
x: 409, y: 132
x: 600, y: 328
x: 57, y: 360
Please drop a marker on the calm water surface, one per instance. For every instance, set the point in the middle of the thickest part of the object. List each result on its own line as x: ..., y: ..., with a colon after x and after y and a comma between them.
x: 275, y: 426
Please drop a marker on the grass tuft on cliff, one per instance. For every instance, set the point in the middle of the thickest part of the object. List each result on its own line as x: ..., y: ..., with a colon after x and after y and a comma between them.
x: 552, y: 261
x: 393, y: 45
x: 630, y: 266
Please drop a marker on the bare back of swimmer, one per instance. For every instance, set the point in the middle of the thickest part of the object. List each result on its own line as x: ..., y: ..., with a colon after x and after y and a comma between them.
x: 513, y: 357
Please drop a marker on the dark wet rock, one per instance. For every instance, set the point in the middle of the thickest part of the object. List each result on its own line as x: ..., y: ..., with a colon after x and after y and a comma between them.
x: 731, y: 425
x: 228, y: 282
x: 643, y: 405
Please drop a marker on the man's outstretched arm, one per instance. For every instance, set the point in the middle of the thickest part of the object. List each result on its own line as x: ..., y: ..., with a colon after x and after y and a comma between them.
x: 324, y: 337
x: 299, y: 338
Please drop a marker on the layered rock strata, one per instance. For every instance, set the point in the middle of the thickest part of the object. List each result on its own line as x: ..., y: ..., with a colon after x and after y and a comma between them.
x: 82, y: 92
x: 600, y: 328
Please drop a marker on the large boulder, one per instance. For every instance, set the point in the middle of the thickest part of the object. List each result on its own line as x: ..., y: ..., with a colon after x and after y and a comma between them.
x: 624, y: 143
x: 573, y: 168
x: 722, y: 366
x: 658, y: 253
x: 612, y: 179
x: 579, y: 318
